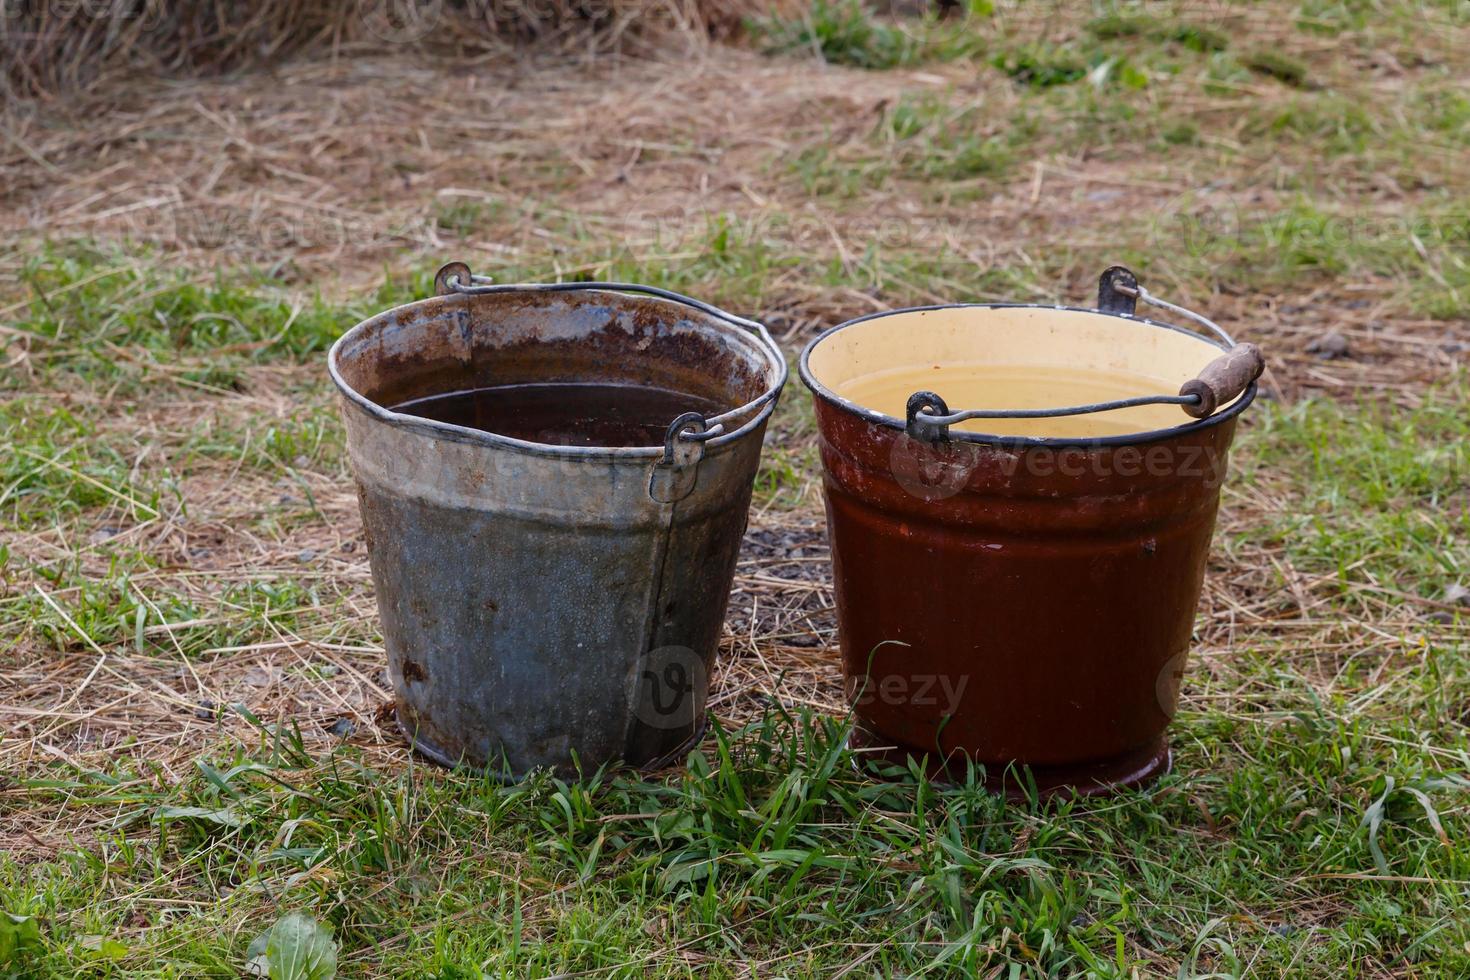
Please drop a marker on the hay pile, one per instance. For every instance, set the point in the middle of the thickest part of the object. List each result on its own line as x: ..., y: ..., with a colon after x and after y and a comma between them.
x: 56, y: 46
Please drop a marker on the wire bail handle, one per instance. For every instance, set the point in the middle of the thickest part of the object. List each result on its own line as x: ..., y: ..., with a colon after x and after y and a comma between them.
x: 1219, y: 383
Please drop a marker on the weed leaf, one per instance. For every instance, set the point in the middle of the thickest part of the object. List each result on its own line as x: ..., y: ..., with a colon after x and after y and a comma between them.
x: 221, y: 818
x: 19, y: 936
x: 1373, y: 819
x: 297, y: 947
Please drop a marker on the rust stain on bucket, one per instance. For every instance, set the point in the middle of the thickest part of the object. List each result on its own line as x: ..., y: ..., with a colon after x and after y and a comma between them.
x: 551, y: 566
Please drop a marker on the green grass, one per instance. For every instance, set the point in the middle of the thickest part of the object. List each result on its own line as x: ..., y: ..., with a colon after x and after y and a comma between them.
x: 771, y: 848
x: 1418, y: 259
x: 464, y: 218
x: 1309, y: 826
x: 1192, y: 36
x: 929, y: 139
x: 174, y: 493
x: 1134, y: 77
x: 106, y: 315
x: 1041, y: 65
x: 1335, y: 17
x: 844, y: 32
x: 53, y: 469
x: 1282, y: 67
x: 1379, y: 495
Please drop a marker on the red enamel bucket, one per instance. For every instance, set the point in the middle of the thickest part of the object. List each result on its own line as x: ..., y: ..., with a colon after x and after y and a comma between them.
x: 1016, y: 580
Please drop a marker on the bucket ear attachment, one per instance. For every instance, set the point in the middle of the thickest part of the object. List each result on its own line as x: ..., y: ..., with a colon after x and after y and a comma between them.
x: 675, y: 473
x: 1223, y: 379
x: 918, y: 423
x: 452, y: 279
x: 1117, y: 291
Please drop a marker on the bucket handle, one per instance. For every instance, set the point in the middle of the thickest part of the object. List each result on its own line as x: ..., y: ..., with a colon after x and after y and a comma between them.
x: 457, y: 278
x: 1220, y: 382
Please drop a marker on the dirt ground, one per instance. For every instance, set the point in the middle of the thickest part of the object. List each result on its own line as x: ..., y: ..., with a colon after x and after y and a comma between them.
x: 327, y: 173
x: 326, y: 176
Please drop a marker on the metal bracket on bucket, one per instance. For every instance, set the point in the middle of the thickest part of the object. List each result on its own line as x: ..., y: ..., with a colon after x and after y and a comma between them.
x: 675, y: 474
x: 925, y: 415
x: 1220, y: 382
x: 456, y: 278
x: 1117, y: 291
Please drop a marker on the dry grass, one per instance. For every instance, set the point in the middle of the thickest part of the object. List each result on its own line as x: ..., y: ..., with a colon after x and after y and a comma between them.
x: 316, y: 662
x: 324, y: 171
x: 764, y: 184
x: 60, y: 49
x: 234, y: 523
x: 551, y: 164
x: 539, y: 176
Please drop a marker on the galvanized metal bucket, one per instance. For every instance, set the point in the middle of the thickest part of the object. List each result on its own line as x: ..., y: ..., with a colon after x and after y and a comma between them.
x: 552, y: 606
x: 1024, y: 603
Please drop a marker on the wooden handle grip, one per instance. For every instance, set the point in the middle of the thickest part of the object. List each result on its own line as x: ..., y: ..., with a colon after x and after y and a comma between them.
x: 1223, y: 379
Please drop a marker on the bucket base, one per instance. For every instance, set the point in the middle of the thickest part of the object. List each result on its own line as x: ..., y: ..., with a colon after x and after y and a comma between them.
x: 1096, y: 778
x: 439, y: 757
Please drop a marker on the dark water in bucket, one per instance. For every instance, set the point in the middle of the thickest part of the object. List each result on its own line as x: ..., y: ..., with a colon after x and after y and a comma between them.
x: 565, y: 414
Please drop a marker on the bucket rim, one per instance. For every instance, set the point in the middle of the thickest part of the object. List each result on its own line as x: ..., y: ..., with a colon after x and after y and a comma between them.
x: 829, y: 396
x: 766, y: 400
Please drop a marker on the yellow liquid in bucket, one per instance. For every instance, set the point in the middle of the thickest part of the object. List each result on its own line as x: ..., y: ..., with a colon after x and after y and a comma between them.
x: 985, y: 386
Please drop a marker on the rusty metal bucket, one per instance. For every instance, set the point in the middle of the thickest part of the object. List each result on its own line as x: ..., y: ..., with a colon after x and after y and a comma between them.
x: 552, y: 606
x: 1013, y: 589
